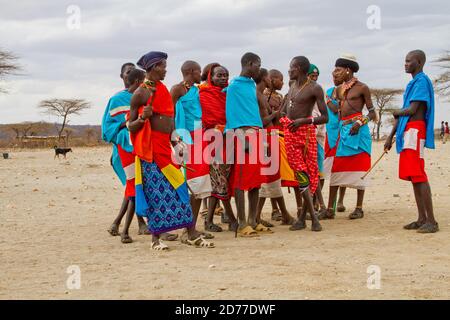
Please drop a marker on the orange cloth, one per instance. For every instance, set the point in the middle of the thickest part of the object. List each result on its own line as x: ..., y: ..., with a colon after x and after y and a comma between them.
x: 142, y: 140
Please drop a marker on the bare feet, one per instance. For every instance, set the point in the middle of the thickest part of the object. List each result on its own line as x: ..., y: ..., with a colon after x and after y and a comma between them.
x: 168, y: 236
x: 143, y: 229
x: 114, y: 230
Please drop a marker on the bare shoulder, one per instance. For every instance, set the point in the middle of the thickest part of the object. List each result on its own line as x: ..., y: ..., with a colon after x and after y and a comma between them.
x: 317, y: 88
x: 362, y: 85
x: 177, y: 88
x: 141, y: 95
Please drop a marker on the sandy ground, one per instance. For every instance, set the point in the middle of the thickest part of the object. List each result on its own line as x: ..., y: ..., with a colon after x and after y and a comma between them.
x: 54, y: 214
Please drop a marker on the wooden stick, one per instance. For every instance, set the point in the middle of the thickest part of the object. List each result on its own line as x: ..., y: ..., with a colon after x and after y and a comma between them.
x: 373, y: 166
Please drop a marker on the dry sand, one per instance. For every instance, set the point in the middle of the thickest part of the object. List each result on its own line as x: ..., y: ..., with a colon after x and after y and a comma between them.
x: 54, y: 214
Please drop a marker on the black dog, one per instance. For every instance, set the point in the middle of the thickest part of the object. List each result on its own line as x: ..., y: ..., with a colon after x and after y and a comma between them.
x: 62, y: 151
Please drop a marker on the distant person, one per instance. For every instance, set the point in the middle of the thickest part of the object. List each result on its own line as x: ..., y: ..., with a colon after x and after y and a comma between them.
x: 442, y: 134
x: 446, y: 132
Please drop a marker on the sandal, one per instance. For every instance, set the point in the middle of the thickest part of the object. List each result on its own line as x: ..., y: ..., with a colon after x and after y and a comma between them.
x: 200, y: 242
x: 266, y: 223
x: 248, y: 232
x: 413, y: 225
x: 429, y: 228
x: 262, y: 229
x: 204, y: 212
x: 218, y: 211
x: 113, y: 230
x: 340, y: 207
x: 326, y: 214
x: 298, y: 225
x: 161, y: 246
x: 125, y: 239
x: 212, y: 227
x: 207, y: 235
x: 276, y: 215
x: 357, y: 214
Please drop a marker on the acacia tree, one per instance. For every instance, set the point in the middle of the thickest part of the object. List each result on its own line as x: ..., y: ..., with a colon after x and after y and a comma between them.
x: 383, y: 100
x: 442, y: 82
x: 63, y: 108
x: 8, y: 66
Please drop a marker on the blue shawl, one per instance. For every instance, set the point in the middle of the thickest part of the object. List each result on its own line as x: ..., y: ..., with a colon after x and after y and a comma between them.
x: 419, y: 88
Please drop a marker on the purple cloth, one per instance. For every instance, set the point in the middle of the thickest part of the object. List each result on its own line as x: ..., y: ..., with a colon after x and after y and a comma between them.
x: 148, y: 60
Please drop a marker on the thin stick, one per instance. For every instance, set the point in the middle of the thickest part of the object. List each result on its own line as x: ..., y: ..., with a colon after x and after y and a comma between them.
x: 373, y: 166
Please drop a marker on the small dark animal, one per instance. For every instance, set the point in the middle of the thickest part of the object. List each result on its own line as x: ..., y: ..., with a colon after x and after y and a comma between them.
x: 62, y: 151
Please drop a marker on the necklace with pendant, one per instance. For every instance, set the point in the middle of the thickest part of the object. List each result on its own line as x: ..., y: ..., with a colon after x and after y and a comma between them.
x: 301, y: 88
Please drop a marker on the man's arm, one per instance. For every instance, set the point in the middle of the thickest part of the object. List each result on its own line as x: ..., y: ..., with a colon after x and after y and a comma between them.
x: 177, y: 91
x: 263, y: 105
x: 410, y: 111
x: 138, y: 99
x: 369, y: 104
x: 323, y: 118
x: 333, y: 107
x: 388, y: 143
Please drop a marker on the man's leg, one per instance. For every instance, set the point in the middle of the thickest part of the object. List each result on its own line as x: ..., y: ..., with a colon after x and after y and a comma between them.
x: 322, y: 208
x: 233, y: 224
x: 331, y: 201
x: 240, y: 207
x: 298, y: 201
x: 422, y: 217
x: 340, y: 204
x: 430, y: 225
x: 286, y: 218
x: 261, y: 203
x: 114, y: 229
x: 209, y: 221
x: 309, y: 205
x: 125, y: 238
x: 358, y: 213
x: 276, y: 216
x: 253, y: 196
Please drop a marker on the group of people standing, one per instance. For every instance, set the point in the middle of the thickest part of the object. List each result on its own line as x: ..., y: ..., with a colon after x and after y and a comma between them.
x: 211, y: 138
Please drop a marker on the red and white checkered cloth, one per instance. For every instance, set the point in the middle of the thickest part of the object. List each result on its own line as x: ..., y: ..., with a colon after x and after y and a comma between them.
x: 301, y: 149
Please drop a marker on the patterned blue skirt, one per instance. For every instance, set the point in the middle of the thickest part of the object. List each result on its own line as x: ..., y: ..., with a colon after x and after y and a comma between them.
x: 166, y: 211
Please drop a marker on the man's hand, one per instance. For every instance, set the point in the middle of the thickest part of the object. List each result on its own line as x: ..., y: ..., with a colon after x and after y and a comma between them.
x: 355, y: 128
x: 293, y: 126
x: 147, y: 112
x: 388, y: 144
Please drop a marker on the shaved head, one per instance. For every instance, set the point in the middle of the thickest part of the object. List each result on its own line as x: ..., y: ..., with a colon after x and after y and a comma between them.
x: 189, y: 66
x: 302, y: 62
x: 274, y: 73
x: 419, y: 55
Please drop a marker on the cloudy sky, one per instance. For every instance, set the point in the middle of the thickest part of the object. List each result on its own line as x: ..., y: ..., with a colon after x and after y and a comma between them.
x: 63, y: 61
